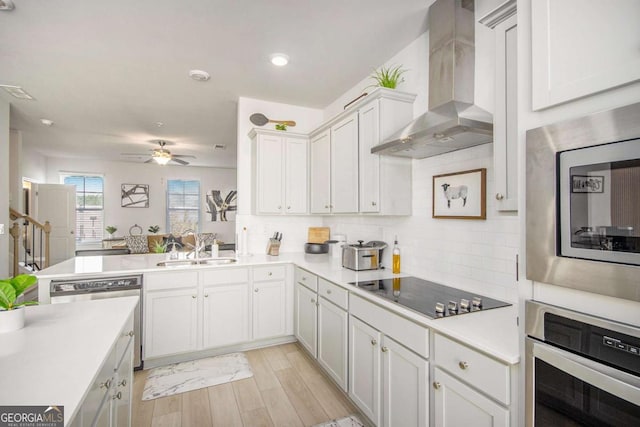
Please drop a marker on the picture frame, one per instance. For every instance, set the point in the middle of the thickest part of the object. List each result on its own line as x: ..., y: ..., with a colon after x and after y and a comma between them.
x: 587, y: 183
x: 460, y: 195
x: 134, y: 196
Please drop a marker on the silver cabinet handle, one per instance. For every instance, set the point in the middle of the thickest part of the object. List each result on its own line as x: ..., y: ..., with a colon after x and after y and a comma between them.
x: 106, y: 384
x: 206, y: 295
x: 256, y: 290
x: 279, y: 207
x: 328, y: 291
x: 129, y: 334
x: 499, y: 196
x: 437, y: 385
x: 288, y: 207
x: 384, y: 349
x: 122, y: 383
x: 373, y: 203
x: 313, y: 300
x: 463, y: 365
x: 270, y: 274
x: 118, y: 396
x: 304, y: 278
x: 194, y: 296
x: 326, y: 206
x: 374, y: 342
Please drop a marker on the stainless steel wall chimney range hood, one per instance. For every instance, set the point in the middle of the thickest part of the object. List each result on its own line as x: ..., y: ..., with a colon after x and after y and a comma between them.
x: 453, y: 122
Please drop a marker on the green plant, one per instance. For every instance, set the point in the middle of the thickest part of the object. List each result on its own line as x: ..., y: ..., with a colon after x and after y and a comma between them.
x: 159, y: 248
x: 388, y: 77
x: 154, y: 229
x: 281, y: 126
x: 11, y: 289
x: 111, y: 229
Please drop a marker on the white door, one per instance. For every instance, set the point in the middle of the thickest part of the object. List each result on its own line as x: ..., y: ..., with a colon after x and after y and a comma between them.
x: 270, y: 174
x: 56, y: 203
x: 364, y: 368
x: 369, y: 168
x: 295, y: 176
x: 320, y: 173
x: 306, y: 325
x: 332, y: 341
x: 171, y: 322
x: 344, y: 165
x: 225, y: 315
x: 457, y: 404
x: 269, y: 309
x: 404, y: 384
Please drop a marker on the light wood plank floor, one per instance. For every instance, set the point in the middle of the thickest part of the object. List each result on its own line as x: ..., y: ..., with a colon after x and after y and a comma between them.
x: 287, y: 389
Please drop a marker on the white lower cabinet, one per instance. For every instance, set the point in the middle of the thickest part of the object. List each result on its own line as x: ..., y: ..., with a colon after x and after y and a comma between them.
x: 225, y: 314
x: 108, y: 402
x: 269, y: 302
x: 457, y: 404
x: 387, y: 381
x: 171, y: 321
x: 333, y: 341
x: 306, y: 318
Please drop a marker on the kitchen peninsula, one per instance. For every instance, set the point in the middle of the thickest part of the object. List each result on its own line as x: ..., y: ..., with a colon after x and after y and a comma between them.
x: 65, y: 355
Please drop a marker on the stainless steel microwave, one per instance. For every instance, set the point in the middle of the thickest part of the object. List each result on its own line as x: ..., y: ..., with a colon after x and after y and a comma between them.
x: 583, y: 203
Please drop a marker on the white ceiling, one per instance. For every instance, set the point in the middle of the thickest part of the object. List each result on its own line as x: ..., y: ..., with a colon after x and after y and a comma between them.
x: 106, y: 71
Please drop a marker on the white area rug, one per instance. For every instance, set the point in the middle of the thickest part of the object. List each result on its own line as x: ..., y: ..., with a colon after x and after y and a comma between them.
x: 350, y: 421
x: 195, y: 374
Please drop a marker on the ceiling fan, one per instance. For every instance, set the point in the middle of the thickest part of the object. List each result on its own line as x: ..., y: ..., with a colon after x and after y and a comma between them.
x: 162, y: 156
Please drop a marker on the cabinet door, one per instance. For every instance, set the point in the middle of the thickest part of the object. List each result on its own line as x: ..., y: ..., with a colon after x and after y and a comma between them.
x: 171, y: 322
x: 269, y: 309
x: 269, y: 166
x: 344, y: 165
x: 364, y: 368
x: 295, y: 176
x: 505, y: 127
x: 332, y: 341
x: 369, y: 168
x: 121, y: 399
x: 456, y: 404
x: 404, y: 386
x: 320, y: 173
x: 225, y: 315
x: 306, y: 310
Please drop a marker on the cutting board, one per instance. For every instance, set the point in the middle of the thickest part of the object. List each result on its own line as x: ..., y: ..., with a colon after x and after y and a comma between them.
x: 318, y: 234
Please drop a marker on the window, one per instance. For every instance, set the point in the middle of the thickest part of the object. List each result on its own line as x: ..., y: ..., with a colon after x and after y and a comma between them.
x: 89, y: 207
x: 183, y: 206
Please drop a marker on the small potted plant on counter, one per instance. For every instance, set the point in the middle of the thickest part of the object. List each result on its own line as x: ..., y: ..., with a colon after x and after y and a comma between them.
x: 158, y: 248
x: 111, y: 230
x: 12, y: 314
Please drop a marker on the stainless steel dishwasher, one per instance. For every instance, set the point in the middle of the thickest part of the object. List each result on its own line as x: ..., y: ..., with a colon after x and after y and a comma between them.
x: 84, y: 289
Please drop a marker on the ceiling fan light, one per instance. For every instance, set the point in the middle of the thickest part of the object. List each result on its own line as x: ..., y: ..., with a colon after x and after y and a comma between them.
x: 161, y: 158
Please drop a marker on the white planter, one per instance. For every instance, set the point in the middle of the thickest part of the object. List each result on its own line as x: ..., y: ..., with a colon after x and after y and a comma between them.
x: 12, y: 320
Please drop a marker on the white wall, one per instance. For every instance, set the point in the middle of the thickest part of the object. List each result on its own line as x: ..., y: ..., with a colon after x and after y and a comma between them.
x: 117, y: 173
x: 33, y: 164
x: 261, y: 227
x: 5, y: 239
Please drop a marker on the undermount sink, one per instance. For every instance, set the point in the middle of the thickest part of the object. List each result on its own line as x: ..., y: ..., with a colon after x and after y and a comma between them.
x: 201, y: 261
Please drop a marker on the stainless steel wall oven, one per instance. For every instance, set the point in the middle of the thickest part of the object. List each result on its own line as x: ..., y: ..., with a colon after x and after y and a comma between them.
x: 583, y: 203
x: 580, y: 370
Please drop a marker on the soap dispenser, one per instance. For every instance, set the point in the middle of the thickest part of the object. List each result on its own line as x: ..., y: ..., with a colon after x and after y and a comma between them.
x: 396, y: 257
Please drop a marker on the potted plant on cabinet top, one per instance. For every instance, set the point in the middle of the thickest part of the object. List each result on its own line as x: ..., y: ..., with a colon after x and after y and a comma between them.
x: 111, y: 230
x: 388, y: 77
x: 12, y: 314
x: 154, y: 229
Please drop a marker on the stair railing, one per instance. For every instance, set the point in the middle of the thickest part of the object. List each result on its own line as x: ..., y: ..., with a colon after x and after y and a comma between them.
x: 32, y: 234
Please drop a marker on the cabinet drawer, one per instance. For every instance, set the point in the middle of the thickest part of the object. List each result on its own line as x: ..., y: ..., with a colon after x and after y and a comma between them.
x: 334, y: 293
x: 404, y: 331
x: 473, y: 367
x: 276, y: 272
x: 307, y: 279
x: 170, y: 280
x: 226, y: 276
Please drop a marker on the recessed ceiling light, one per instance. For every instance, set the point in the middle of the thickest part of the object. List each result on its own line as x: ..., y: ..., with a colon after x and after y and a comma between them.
x: 17, y: 92
x: 199, y: 75
x: 159, y: 124
x: 279, y: 59
x: 46, y: 122
x: 6, y: 5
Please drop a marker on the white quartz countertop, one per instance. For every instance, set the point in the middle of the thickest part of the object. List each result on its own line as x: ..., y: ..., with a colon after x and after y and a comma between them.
x: 494, y: 332
x: 56, y: 357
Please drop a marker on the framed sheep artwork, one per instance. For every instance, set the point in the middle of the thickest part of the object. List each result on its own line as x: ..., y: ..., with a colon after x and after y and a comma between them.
x: 460, y: 195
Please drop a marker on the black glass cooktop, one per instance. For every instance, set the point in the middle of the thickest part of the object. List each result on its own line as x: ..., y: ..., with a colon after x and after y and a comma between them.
x: 428, y: 298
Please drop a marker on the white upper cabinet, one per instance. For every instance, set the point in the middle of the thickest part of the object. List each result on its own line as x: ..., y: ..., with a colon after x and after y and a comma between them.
x: 503, y: 21
x: 582, y: 47
x: 369, y: 135
x: 281, y: 172
x: 344, y: 165
x: 320, y: 173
